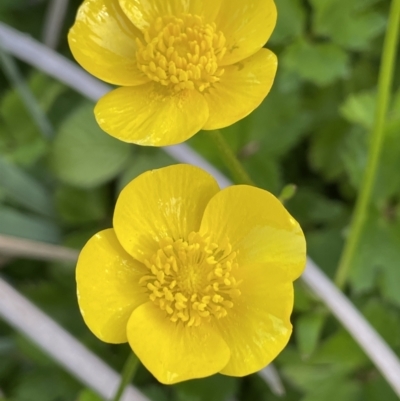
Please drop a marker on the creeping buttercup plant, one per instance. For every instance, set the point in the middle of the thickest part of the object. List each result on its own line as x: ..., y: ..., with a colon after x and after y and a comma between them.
x: 67, y: 182
x: 182, y: 66
x: 198, y: 280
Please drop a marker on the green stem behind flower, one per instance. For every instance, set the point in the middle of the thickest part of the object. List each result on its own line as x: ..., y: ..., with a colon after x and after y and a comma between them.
x: 364, y: 197
x: 238, y: 172
x: 128, y: 372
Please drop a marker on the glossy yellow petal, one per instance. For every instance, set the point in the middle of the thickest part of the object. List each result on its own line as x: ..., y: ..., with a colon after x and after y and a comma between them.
x: 258, y: 227
x: 258, y: 326
x: 247, y: 25
x: 171, y: 351
x: 168, y: 202
x: 143, y: 12
x: 150, y: 115
x: 108, y: 290
x: 242, y: 88
x: 102, y: 40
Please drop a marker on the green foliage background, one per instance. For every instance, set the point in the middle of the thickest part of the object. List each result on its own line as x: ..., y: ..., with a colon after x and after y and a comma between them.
x: 312, y: 131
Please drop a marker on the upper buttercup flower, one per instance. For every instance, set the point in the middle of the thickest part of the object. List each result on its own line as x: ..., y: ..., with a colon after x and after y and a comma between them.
x: 183, y: 65
x: 197, y: 279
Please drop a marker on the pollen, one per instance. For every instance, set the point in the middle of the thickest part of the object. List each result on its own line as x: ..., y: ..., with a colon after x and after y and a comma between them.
x: 192, y: 280
x: 182, y: 52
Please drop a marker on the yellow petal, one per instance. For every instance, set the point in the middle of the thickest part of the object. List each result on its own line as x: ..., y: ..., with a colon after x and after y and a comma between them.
x: 258, y: 227
x: 108, y: 290
x: 171, y: 351
x: 242, y: 88
x: 168, y: 202
x: 258, y: 326
x: 143, y: 12
x: 150, y: 115
x: 247, y: 25
x: 102, y: 40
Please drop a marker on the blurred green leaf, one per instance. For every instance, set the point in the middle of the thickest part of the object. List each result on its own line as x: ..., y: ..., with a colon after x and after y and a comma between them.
x: 25, y: 190
x: 80, y: 206
x: 326, y: 147
x: 45, y: 385
x: 291, y: 21
x: 359, y: 108
x: 325, y: 246
x: 23, y: 225
x: 213, y: 388
x: 343, y: 390
x: 385, y: 319
x: 377, y: 389
x: 22, y: 141
x: 351, y: 24
x: 321, y: 64
x: 88, y: 395
x: 377, y: 258
x: 83, y: 155
x: 308, y: 331
x: 144, y: 159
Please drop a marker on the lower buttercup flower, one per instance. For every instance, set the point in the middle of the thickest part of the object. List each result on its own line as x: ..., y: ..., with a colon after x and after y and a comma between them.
x: 183, y: 65
x: 199, y: 280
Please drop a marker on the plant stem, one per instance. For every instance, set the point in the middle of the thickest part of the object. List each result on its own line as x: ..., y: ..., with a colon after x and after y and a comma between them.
x: 231, y: 161
x: 377, y: 137
x: 128, y: 372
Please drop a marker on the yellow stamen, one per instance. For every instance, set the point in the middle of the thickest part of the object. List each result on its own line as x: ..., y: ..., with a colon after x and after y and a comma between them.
x: 199, y: 286
x: 182, y: 53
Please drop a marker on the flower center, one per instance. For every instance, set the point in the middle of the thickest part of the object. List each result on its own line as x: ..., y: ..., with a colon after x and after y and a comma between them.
x: 182, y: 53
x: 192, y: 280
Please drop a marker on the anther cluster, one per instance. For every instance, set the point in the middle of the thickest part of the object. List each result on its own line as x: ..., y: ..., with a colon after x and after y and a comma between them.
x: 192, y: 280
x: 182, y: 53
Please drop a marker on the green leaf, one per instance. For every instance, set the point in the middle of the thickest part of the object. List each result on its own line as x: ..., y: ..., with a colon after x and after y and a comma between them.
x: 385, y: 319
x: 376, y: 388
x: 340, y: 350
x: 312, y: 208
x: 370, y: 264
x: 83, y: 155
x: 80, y: 206
x: 144, y: 159
x: 346, y: 23
x: 24, y: 190
x: 21, y: 140
x: 291, y: 21
x: 308, y: 331
x: 359, y: 108
x: 279, y: 123
x: 88, y: 395
x: 354, y: 154
x: 214, y: 388
x: 326, y: 148
x: 45, y: 385
x: 324, y: 247
x: 343, y: 390
x: 18, y: 224
x: 321, y: 64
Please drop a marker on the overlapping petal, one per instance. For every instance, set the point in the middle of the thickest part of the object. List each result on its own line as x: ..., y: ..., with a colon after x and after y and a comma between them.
x: 257, y: 328
x: 150, y: 115
x: 242, y: 88
x: 247, y: 25
x: 173, y: 352
x: 143, y: 12
x: 102, y: 40
x: 108, y: 289
x: 160, y: 203
x: 258, y: 226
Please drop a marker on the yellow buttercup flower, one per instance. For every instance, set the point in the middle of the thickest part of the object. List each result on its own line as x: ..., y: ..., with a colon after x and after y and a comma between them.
x: 199, y: 280
x: 183, y: 65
